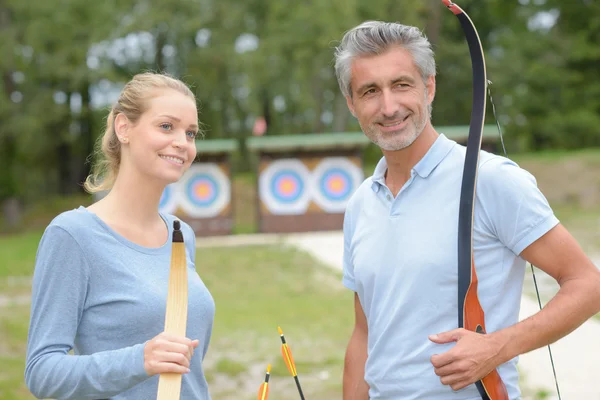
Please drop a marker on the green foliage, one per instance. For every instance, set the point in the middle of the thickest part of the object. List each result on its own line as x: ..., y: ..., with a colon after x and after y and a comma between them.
x: 60, y: 68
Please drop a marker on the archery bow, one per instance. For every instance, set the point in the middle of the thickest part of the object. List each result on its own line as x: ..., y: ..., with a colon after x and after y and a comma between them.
x: 470, y: 313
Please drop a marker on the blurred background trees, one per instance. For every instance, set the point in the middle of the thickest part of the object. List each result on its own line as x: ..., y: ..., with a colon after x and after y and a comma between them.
x: 63, y: 63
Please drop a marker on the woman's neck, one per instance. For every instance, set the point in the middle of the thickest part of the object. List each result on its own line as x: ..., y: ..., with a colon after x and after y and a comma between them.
x: 130, y: 202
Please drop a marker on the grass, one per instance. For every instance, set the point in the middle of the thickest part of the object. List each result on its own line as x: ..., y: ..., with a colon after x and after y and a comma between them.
x: 16, y: 253
x: 589, y: 155
x: 14, y: 322
x: 244, y: 203
x: 281, y: 287
x: 37, y: 216
x: 256, y: 289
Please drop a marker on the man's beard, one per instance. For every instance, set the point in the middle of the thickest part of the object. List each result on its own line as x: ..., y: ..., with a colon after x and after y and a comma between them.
x: 398, y: 140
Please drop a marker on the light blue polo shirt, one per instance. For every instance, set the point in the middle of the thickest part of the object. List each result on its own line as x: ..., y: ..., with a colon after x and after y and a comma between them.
x: 400, y: 256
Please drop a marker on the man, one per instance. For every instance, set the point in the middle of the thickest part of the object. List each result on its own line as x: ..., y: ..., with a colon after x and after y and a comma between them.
x: 400, y: 240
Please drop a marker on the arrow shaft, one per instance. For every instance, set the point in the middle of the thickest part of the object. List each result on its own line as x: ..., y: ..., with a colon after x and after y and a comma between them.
x: 299, y: 387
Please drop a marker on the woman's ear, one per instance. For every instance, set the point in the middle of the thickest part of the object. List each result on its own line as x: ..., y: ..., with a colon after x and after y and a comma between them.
x: 122, y: 128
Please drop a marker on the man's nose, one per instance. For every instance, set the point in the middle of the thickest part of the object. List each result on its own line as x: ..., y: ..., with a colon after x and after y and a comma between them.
x: 388, y: 104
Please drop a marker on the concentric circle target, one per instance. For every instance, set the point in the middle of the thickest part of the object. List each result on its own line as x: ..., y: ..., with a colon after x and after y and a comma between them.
x: 168, y: 200
x: 204, y: 191
x: 334, y: 180
x: 284, y: 187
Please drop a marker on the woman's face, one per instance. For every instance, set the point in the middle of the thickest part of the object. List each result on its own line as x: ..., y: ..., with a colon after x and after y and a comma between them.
x: 161, y: 145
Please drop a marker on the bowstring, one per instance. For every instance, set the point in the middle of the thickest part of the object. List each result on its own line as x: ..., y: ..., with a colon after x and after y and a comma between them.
x: 537, y: 292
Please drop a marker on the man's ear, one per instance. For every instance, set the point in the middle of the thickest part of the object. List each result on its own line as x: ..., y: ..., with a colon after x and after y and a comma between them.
x: 350, y: 105
x: 122, y: 128
x: 430, y: 89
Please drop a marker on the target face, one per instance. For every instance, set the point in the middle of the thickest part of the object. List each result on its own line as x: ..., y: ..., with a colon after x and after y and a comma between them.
x: 284, y: 187
x: 204, y: 191
x: 335, y: 180
x: 168, y: 200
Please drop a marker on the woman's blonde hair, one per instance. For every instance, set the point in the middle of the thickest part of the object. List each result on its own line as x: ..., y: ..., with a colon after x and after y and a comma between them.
x: 132, y: 103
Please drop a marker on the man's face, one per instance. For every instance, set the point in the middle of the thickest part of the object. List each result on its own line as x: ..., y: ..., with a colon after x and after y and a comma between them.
x: 389, y: 98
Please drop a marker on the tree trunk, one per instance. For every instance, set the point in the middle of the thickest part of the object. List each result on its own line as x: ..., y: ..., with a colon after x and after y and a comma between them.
x: 160, y: 41
x: 317, y: 92
x: 63, y: 153
x: 266, y: 106
x: 11, y: 205
x: 12, y: 211
x: 224, y: 85
x: 434, y: 21
x: 340, y: 113
x: 87, y: 133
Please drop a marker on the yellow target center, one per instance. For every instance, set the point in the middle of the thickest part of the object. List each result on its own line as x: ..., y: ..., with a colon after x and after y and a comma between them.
x: 287, y: 186
x: 336, y: 184
x: 202, y: 190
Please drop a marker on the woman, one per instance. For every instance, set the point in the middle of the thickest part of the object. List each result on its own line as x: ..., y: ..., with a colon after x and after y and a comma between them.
x: 101, y: 276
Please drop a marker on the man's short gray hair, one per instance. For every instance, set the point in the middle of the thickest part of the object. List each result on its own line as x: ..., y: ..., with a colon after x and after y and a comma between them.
x: 375, y: 37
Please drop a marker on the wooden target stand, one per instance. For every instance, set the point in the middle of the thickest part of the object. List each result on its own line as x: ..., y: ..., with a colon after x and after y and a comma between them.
x: 288, y: 176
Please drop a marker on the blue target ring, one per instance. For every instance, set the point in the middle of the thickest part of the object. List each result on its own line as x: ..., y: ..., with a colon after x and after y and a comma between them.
x: 168, y: 199
x: 287, y: 186
x: 164, y: 198
x: 202, y: 190
x: 336, y: 184
x: 335, y: 179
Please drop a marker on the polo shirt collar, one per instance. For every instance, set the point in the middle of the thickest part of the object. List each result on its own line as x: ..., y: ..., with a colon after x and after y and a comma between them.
x: 434, y: 156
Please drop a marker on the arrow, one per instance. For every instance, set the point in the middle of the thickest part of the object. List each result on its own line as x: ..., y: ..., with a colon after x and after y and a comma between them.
x: 263, y: 391
x: 289, y: 361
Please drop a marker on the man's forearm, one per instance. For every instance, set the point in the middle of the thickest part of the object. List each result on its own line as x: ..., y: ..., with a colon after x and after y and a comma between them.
x: 355, y: 387
x: 574, y: 303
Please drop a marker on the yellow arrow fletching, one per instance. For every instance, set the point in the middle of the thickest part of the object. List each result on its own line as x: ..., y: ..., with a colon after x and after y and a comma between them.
x: 289, y: 360
x: 263, y: 392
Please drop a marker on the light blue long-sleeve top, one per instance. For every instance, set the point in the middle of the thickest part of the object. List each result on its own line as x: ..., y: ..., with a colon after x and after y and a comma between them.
x: 103, y: 296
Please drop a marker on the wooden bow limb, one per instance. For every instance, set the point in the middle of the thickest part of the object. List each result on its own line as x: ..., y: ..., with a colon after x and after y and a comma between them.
x: 169, y: 384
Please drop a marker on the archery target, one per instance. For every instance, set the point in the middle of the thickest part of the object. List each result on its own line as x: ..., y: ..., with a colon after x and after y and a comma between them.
x: 334, y: 180
x: 204, y: 191
x: 284, y: 187
x: 168, y: 200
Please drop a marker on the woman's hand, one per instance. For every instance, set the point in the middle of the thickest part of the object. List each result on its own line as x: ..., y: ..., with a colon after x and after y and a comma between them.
x: 168, y: 353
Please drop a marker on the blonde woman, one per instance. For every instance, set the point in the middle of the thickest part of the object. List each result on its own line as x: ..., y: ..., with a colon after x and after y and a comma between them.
x: 101, y: 274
